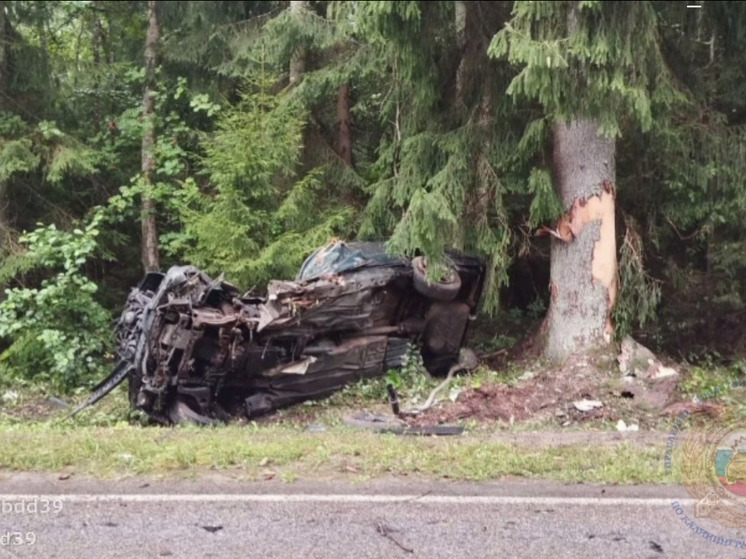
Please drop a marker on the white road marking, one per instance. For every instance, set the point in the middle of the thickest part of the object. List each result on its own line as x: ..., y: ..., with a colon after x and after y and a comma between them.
x: 349, y: 498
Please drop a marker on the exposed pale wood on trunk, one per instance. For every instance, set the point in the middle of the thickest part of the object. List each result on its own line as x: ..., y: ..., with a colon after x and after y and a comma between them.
x: 583, y: 266
x: 150, y: 258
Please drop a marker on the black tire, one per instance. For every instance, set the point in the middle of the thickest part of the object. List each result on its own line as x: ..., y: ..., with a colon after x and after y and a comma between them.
x: 181, y: 413
x: 444, y: 290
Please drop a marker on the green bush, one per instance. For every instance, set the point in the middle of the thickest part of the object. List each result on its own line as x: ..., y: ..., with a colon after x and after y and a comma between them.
x: 57, y: 331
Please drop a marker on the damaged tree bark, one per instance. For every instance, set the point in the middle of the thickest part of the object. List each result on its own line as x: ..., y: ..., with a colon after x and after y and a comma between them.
x: 150, y: 260
x: 583, y: 273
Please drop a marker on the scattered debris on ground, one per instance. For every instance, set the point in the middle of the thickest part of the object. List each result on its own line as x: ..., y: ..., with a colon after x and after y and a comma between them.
x: 22, y: 407
x: 634, y: 388
x: 390, y: 424
x: 629, y: 391
x: 623, y: 427
x: 587, y: 405
x: 386, y: 531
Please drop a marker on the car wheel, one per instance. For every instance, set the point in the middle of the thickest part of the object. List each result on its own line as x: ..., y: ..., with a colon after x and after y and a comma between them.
x: 181, y: 412
x: 443, y: 290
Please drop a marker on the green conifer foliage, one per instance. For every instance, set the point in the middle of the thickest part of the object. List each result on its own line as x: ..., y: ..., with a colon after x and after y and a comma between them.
x: 448, y: 159
x: 259, y: 215
x: 592, y: 60
x: 608, y: 66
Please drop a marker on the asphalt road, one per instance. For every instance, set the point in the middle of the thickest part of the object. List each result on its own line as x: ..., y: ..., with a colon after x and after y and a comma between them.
x: 395, y: 518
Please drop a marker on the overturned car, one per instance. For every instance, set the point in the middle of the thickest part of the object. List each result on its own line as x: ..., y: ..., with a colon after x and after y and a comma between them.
x: 194, y: 349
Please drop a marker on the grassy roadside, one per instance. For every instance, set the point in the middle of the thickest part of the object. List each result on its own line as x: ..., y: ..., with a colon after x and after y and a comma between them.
x: 102, y: 444
x: 289, y: 453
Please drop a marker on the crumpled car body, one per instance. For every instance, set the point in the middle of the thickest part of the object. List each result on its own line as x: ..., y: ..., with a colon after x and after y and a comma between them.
x: 194, y: 349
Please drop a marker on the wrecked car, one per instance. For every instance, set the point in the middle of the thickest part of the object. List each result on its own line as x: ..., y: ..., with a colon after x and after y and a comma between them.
x: 194, y: 349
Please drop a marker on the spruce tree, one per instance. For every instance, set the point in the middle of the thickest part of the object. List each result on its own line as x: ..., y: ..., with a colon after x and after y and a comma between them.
x: 591, y: 65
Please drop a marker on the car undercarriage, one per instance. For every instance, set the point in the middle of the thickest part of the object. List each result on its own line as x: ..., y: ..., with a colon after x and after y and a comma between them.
x: 195, y: 350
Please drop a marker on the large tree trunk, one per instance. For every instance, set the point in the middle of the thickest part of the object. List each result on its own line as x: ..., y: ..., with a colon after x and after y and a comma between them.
x: 148, y: 219
x: 344, y: 124
x: 298, y: 60
x: 583, y: 269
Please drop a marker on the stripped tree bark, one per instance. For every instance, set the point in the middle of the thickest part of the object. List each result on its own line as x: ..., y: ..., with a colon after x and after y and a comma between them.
x: 150, y: 258
x: 583, y: 269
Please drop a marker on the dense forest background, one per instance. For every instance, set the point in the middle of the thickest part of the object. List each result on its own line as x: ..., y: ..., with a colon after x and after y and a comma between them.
x: 239, y: 136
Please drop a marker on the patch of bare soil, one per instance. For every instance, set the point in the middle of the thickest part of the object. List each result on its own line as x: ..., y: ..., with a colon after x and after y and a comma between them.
x: 557, y: 392
x: 33, y: 408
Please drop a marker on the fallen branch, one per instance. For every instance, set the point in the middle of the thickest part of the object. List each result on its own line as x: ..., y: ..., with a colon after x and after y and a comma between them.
x: 685, y: 237
x: 385, y: 531
x: 468, y: 360
x: 486, y: 356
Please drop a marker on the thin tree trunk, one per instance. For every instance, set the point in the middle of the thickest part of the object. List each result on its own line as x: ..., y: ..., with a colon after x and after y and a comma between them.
x: 298, y: 60
x: 460, y: 24
x: 98, y: 38
x: 42, y: 30
x: 4, y: 77
x: 150, y: 259
x: 97, y: 41
x: 344, y: 122
x: 3, y: 51
x: 583, y: 268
